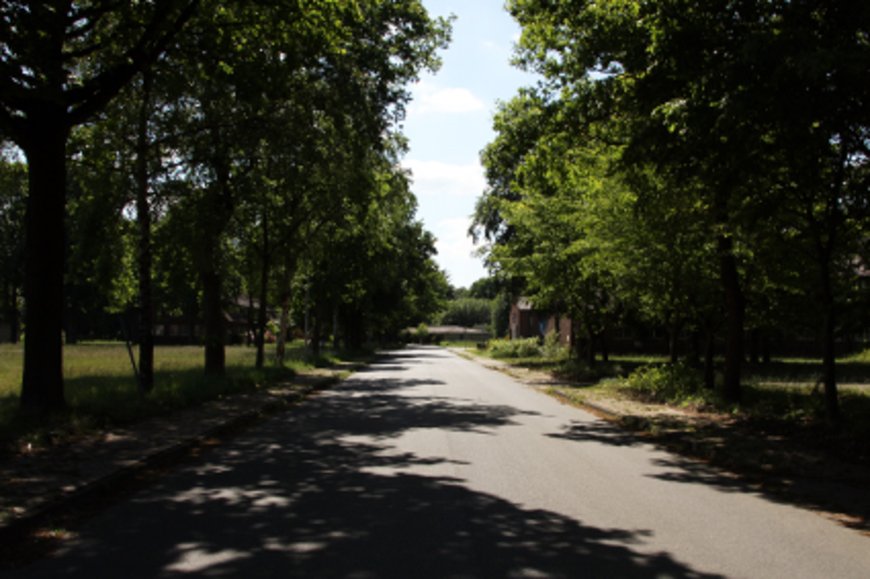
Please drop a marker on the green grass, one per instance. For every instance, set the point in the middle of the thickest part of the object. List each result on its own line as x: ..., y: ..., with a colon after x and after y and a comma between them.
x: 468, y: 344
x: 101, y: 389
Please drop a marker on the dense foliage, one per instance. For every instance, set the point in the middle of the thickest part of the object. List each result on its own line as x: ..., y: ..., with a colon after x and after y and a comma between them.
x: 188, y: 156
x: 467, y: 312
x: 702, y: 166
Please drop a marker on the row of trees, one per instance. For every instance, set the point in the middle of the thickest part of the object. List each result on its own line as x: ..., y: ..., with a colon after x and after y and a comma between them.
x: 472, y: 306
x: 702, y: 165
x: 179, y: 153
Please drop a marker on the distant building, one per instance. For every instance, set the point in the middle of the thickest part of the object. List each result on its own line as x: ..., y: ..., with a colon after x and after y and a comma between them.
x: 528, y: 322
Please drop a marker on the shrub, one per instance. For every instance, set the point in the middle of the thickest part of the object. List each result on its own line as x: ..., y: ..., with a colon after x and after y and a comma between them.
x: 525, y: 348
x: 668, y: 383
x: 552, y: 347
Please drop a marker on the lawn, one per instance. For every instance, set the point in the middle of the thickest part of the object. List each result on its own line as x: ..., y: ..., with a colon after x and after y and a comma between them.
x: 100, y: 386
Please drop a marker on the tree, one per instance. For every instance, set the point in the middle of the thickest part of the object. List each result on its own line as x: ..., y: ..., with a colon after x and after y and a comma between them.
x: 316, y: 97
x: 486, y: 288
x: 813, y: 88
x: 62, y: 63
x: 373, y: 271
x: 467, y: 312
x: 752, y: 114
x: 678, y: 75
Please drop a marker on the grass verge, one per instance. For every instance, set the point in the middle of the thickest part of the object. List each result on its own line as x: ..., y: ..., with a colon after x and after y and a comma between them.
x: 101, y: 390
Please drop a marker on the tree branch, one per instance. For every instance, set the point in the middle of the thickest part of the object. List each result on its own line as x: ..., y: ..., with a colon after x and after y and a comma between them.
x: 87, y: 100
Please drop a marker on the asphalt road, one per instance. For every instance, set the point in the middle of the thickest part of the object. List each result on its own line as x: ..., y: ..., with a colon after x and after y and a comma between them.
x: 428, y: 465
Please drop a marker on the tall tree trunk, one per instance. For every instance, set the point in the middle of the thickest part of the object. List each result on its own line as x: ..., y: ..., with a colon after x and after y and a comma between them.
x: 215, y: 325
x: 605, y: 346
x: 281, y: 340
x: 42, y: 383
x: 735, y: 307
x: 143, y: 219
x: 354, y: 329
x: 252, y: 325
x: 709, y: 357
x: 829, y: 325
x: 590, y: 347
x: 336, y: 341
x: 695, y: 354
x: 315, y: 337
x: 264, y: 287
x: 673, y: 338
x: 829, y: 367
x: 576, y: 339
x: 217, y: 211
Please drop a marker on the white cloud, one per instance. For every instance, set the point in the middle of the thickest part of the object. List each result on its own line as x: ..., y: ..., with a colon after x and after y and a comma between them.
x: 431, y: 98
x: 438, y: 179
x: 455, y: 251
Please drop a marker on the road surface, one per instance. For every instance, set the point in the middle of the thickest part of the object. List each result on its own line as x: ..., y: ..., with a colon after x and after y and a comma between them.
x: 429, y: 465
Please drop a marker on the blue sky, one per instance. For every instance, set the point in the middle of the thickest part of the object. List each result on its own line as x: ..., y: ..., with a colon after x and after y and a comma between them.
x: 450, y: 121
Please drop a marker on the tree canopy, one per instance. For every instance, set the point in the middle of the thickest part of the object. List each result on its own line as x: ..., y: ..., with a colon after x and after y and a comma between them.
x: 184, y: 153
x: 679, y: 160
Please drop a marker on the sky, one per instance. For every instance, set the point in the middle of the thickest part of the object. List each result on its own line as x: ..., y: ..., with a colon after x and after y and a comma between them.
x: 450, y: 121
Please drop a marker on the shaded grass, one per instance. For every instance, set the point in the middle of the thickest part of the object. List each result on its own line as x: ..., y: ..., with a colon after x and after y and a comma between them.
x: 101, y: 389
x: 777, y: 405
x: 469, y: 344
x: 780, y: 399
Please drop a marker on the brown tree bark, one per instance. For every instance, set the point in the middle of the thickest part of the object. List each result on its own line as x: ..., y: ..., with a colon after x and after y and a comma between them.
x: 735, y: 305
x: 144, y: 265
x: 215, y: 326
x: 281, y: 339
x: 829, y: 326
x: 264, y: 293
x: 42, y: 384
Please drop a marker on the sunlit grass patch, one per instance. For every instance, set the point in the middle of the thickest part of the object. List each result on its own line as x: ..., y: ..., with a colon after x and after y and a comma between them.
x: 11, y: 358
x: 862, y: 357
x: 101, y: 389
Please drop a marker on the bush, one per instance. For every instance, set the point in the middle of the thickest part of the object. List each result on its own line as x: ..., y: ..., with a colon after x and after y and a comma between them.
x: 525, y: 348
x: 552, y: 347
x: 669, y: 383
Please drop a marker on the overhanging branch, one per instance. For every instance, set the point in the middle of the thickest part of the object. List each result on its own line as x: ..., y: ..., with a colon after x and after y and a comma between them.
x: 94, y: 95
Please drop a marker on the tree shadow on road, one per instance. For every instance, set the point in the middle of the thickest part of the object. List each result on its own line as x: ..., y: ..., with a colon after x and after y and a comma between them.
x: 322, y: 493
x: 733, y: 460
x: 597, y: 431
